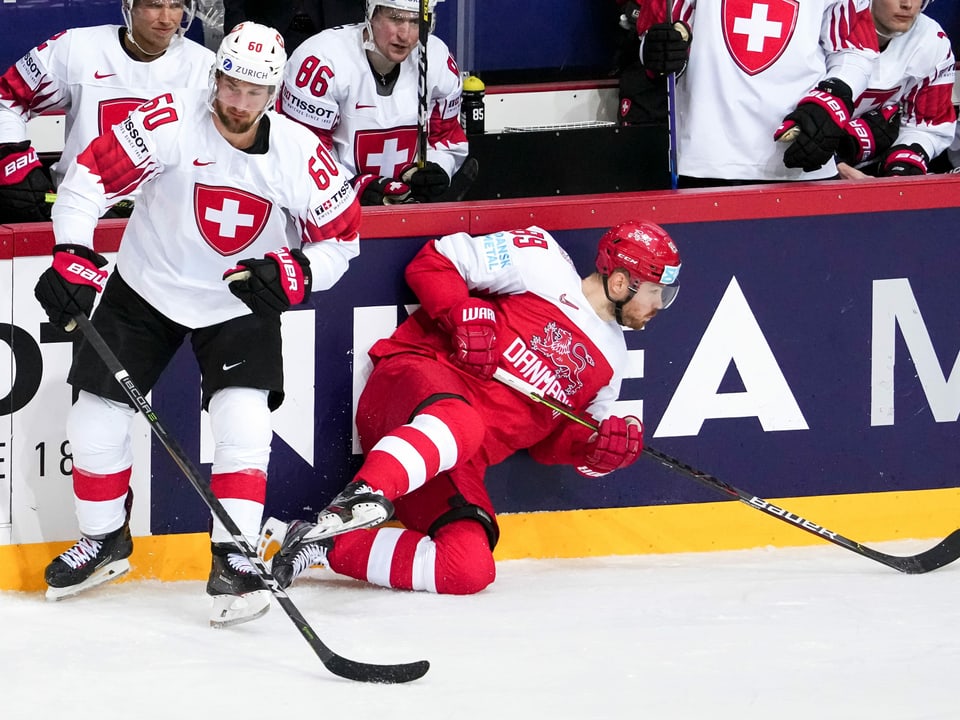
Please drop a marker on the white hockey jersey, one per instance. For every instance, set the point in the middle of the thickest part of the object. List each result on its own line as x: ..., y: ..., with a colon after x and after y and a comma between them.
x: 916, y: 70
x: 751, y: 61
x: 87, y: 73
x: 329, y: 87
x: 203, y: 205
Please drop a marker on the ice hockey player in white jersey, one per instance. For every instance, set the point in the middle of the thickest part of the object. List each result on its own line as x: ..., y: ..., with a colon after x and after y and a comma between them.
x: 757, y: 70
x: 241, y: 213
x: 431, y: 420
x: 357, y: 87
x: 96, y: 75
x: 905, y: 118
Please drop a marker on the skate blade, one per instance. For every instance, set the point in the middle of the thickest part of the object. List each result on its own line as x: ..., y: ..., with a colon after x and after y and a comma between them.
x: 365, y: 515
x: 108, y: 572
x: 271, y: 540
x: 230, y: 610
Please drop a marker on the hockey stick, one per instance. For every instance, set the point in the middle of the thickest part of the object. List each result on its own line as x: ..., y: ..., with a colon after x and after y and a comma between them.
x: 942, y: 554
x: 422, y: 84
x: 337, y: 664
x: 672, y: 115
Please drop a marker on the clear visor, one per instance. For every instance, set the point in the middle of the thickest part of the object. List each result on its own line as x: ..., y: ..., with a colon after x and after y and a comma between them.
x: 155, y: 7
x: 242, y: 95
x: 666, y: 293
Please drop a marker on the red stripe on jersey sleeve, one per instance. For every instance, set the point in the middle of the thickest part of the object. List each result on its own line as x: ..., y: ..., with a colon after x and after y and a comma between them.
x: 930, y: 104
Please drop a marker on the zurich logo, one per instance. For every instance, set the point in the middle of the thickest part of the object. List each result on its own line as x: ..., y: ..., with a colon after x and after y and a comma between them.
x: 227, y: 64
x: 670, y: 273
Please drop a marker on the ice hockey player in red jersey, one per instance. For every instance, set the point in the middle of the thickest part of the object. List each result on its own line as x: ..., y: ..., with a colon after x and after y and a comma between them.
x: 96, y: 75
x: 431, y: 420
x: 240, y: 214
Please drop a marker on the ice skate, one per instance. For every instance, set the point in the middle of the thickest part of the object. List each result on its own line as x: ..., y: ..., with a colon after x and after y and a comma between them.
x: 91, y: 562
x: 289, y: 553
x: 236, y: 588
x: 357, y: 506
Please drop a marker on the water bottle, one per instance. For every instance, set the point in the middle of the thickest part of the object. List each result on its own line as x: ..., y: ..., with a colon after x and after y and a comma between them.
x: 471, y: 109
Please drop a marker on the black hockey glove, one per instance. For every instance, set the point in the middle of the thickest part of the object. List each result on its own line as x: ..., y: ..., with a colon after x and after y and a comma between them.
x: 821, y: 118
x: 23, y: 184
x: 870, y: 135
x: 375, y: 190
x: 629, y: 13
x: 69, y: 287
x: 427, y: 184
x: 666, y: 47
x: 271, y: 285
x: 905, y: 160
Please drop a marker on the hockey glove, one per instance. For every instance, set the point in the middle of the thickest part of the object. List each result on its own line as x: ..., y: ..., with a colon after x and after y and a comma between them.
x: 23, y: 184
x: 629, y: 14
x: 870, y: 135
x: 473, y: 330
x: 905, y: 160
x: 427, y: 184
x: 666, y: 47
x: 616, y: 444
x: 375, y: 190
x: 271, y: 285
x: 69, y: 287
x: 821, y: 117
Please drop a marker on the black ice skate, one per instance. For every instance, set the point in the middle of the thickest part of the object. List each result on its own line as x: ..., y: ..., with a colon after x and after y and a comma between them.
x: 237, y: 590
x: 357, y: 506
x: 289, y: 553
x: 91, y: 562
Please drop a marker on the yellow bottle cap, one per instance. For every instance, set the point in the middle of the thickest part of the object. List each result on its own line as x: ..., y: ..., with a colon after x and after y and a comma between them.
x: 473, y: 84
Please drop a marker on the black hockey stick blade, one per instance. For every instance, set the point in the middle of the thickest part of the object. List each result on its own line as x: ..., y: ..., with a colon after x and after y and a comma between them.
x: 337, y: 664
x: 942, y: 554
x: 351, y: 669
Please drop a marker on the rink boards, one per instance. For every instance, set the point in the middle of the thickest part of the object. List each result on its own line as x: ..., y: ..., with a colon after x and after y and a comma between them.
x: 809, y: 357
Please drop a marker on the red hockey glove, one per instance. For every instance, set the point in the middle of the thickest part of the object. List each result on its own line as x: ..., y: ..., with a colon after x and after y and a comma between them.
x: 473, y: 329
x: 69, y: 287
x: 427, y: 184
x: 666, y: 47
x: 905, y: 160
x: 23, y: 184
x: 821, y: 117
x: 870, y: 135
x: 375, y: 190
x: 616, y: 444
x: 271, y: 285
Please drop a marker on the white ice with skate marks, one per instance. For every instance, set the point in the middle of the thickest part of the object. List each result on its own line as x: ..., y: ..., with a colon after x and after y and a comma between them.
x: 785, y: 633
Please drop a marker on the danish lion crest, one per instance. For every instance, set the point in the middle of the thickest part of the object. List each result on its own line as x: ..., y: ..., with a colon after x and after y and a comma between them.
x: 568, y: 358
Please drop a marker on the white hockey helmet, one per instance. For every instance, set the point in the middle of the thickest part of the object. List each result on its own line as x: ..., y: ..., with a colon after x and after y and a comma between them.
x: 189, y: 12
x: 253, y: 53
x: 407, y: 5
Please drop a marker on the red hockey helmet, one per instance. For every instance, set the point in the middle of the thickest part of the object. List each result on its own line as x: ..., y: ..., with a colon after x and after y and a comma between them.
x: 645, y: 252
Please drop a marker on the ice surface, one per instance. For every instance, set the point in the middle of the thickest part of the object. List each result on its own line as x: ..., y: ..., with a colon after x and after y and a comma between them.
x: 767, y: 633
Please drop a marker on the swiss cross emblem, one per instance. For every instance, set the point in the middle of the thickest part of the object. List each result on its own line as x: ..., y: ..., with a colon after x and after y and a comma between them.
x: 757, y: 31
x: 229, y: 219
x: 115, y: 111
x: 384, y: 152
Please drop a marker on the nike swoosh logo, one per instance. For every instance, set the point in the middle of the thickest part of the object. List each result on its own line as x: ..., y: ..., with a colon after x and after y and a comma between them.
x: 200, y: 163
x: 364, y: 107
x: 98, y: 76
x: 563, y: 299
x: 226, y: 367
